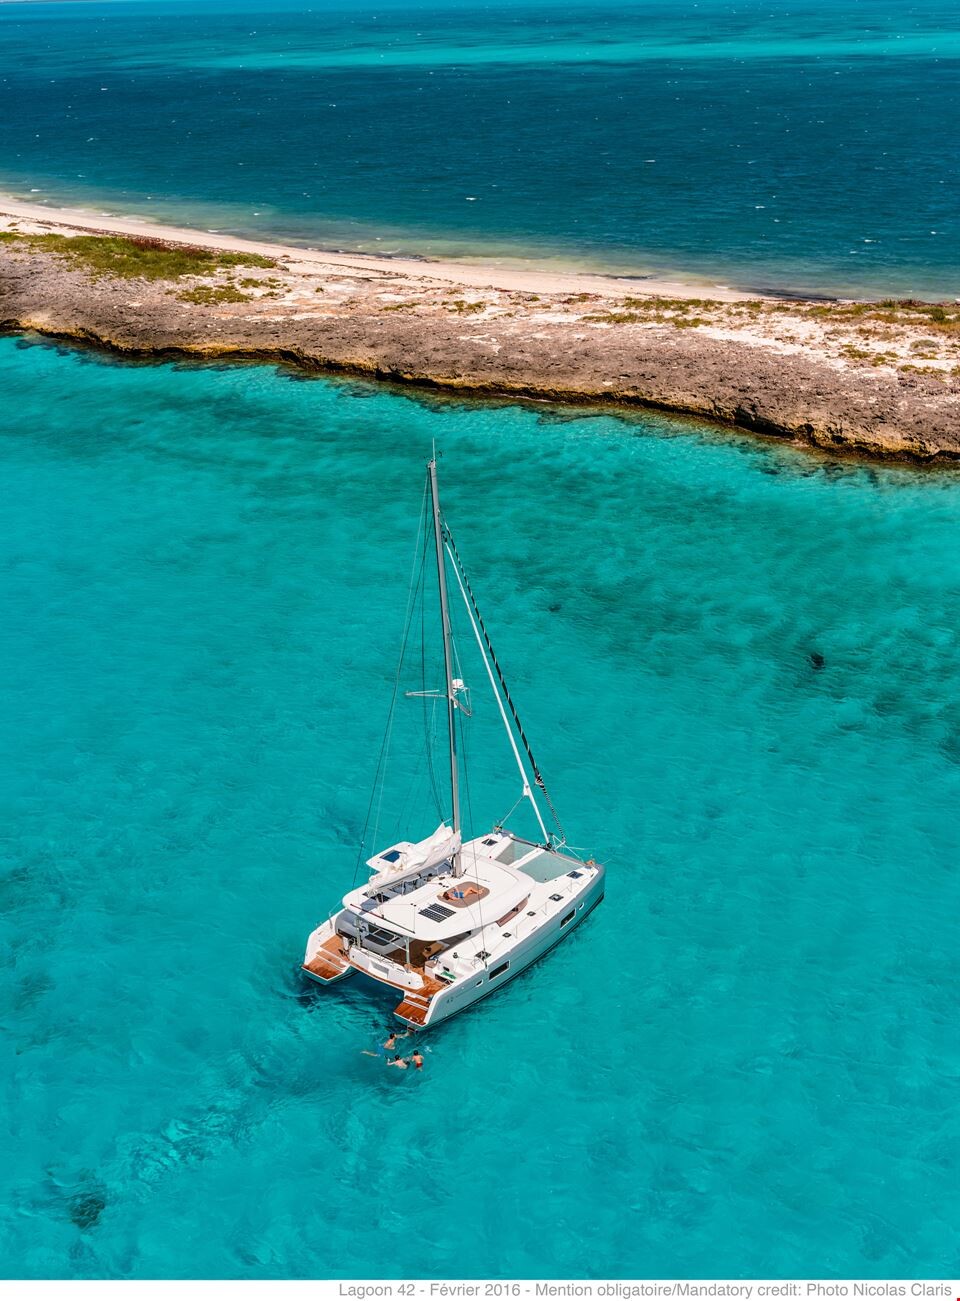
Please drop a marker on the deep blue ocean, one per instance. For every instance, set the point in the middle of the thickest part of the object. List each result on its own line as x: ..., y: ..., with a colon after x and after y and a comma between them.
x: 738, y: 665
x: 810, y: 145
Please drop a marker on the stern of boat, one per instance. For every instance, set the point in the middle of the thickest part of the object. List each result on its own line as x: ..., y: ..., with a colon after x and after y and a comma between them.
x: 325, y: 960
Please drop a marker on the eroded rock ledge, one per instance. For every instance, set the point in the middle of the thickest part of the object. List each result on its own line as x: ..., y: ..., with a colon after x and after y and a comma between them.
x: 843, y: 378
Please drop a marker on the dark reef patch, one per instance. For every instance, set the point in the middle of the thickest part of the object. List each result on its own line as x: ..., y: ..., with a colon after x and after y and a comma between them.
x: 86, y: 1208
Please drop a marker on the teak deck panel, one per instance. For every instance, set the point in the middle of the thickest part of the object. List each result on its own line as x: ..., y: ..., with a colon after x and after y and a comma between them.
x: 415, y: 1005
x: 331, y: 960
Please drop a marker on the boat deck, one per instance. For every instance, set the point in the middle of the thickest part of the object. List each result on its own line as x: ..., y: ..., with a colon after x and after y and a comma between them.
x: 416, y: 1003
x: 330, y: 962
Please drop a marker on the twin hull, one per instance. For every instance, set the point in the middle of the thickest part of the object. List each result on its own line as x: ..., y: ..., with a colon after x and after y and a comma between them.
x: 470, y: 989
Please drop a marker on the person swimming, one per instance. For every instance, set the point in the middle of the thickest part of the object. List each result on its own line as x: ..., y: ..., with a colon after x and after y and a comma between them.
x: 417, y: 1058
x: 388, y: 1046
x: 399, y: 1062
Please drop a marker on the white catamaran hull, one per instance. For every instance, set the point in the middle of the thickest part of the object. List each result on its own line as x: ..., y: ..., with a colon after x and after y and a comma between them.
x: 457, y: 997
x: 329, y: 958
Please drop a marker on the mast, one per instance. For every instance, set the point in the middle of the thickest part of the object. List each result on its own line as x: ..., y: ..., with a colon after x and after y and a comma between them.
x: 447, y: 656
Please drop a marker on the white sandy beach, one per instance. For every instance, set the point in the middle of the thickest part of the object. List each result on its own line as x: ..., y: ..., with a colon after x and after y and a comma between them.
x: 473, y: 275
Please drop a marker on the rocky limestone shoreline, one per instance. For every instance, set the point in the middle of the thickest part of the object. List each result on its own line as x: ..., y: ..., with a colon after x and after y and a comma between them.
x: 781, y: 369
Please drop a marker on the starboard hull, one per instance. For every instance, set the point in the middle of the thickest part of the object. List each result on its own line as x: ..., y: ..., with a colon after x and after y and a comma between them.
x: 463, y: 994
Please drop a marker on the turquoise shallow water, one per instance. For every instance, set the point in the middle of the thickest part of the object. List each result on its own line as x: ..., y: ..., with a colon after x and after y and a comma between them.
x: 803, y: 146
x: 743, y: 1065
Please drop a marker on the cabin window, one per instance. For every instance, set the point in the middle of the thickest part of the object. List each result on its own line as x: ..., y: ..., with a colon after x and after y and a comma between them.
x: 498, y: 971
x: 569, y: 917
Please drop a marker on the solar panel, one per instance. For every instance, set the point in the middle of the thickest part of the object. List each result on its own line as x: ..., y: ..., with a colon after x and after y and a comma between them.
x: 436, y: 912
x: 381, y: 936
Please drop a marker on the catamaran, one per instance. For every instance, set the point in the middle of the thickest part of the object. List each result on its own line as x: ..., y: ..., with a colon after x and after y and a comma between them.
x: 442, y: 921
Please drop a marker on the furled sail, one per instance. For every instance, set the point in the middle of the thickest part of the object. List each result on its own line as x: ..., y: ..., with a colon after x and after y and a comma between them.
x: 406, y: 860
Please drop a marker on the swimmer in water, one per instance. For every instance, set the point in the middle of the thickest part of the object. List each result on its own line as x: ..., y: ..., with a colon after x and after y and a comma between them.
x: 388, y: 1046
x: 398, y: 1062
x: 417, y: 1058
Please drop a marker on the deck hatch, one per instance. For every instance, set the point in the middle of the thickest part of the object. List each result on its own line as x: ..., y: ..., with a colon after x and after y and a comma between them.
x: 436, y: 912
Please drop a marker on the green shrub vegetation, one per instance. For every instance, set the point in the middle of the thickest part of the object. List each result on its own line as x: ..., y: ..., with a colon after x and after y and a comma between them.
x: 147, y: 259
x: 616, y: 318
x: 214, y: 294
x: 943, y: 317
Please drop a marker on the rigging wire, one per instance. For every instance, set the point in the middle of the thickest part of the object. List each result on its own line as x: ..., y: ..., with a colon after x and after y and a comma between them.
x: 429, y: 713
x: 537, y: 776
x: 416, y: 586
x: 421, y: 775
x: 462, y: 716
x: 466, y: 790
x: 461, y: 721
x: 379, y: 775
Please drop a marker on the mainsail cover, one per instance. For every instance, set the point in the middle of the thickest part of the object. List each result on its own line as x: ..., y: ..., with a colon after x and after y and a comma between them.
x: 414, y: 859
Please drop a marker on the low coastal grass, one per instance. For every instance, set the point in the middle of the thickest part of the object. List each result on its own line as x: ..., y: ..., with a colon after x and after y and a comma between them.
x: 941, y: 317
x: 615, y: 318
x: 657, y: 310
x: 656, y: 303
x: 207, y: 294
x: 128, y: 259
